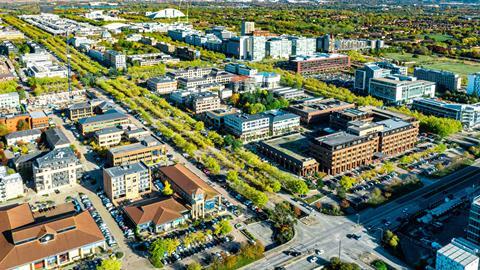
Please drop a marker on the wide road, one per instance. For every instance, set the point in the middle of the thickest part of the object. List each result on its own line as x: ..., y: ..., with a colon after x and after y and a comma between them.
x: 329, y: 233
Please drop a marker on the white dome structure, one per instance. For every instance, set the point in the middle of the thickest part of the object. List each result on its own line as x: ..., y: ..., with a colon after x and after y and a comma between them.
x: 165, y: 13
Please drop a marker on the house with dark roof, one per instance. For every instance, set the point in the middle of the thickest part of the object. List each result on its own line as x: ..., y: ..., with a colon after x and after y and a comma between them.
x: 56, y: 138
x: 201, y: 197
x: 159, y: 215
x: 47, y: 240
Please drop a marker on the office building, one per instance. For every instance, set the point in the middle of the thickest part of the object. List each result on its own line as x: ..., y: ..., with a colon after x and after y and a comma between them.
x: 23, y: 136
x: 136, y: 134
x: 56, y: 138
x: 444, y: 80
x: 51, y: 239
x: 457, y: 255
x: 341, y: 120
x: 468, y: 114
x: 39, y: 119
x: 111, y: 118
x: 216, y: 118
x: 13, y: 121
x: 247, y: 28
x: 214, y: 77
x: 238, y: 47
x: 108, y: 137
x: 57, y: 169
x: 327, y: 43
x: 203, y: 102
x: 267, y: 80
x: 256, y: 49
x: 278, y: 48
x: 202, y: 198
x: 303, y: 46
x: 9, y: 100
x: 240, y: 69
x: 127, y: 182
x: 282, y: 122
x: 315, y: 110
x: 189, y: 73
x: 187, y: 53
x: 395, y: 69
x: 288, y: 93
x: 473, y: 229
x: 157, y: 215
x: 473, y: 87
x: 149, y: 150
x: 397, y: 136
x: 342, y: 151
x: 162, y: 85
x: 11, y: 185
x: 397, y: 89
x: 248, y: 127
x: 115, y: 59
x: 291, y: 152
x: 318, y: 62
x: 365, y: 74
x: 80, y: 110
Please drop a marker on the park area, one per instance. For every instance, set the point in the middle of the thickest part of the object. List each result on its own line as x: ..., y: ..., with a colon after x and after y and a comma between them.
x: 461, y: 67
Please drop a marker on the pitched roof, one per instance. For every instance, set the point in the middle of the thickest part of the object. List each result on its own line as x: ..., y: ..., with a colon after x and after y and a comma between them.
x: 189, y: 182
x: 21, y: 230
x: 158, y: 212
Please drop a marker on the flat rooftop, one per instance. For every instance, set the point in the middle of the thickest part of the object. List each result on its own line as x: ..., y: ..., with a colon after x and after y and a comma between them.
x: 338, y: 138
x: 296, y: 146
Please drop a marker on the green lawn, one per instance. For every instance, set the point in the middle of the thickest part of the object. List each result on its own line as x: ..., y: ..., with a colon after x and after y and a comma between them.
x: 458, y: 66
x: 437, y: 37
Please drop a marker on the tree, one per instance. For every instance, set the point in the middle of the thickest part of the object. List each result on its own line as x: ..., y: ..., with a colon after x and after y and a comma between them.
x: 391, y: 239
x: 222, y: 228
x: 160, y: 247
x: 232, y: 176
x: 347, y: 182
x: 380, y: 265
x: 194, y: 266
x: 110, y: 264
x: 3, y: 130
x: 199, y: 126
x: 167, y: 188
x: 22, y: 125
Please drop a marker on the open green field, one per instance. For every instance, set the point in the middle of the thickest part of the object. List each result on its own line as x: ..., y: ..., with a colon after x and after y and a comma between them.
x: 461, y: 67
x: 437, y: 37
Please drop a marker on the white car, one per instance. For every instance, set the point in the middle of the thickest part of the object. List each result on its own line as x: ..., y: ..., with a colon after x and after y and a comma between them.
x: 313, y: 259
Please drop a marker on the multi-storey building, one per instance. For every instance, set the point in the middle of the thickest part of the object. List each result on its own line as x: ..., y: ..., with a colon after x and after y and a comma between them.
x: 202, y: 198
x: 9, y: 100
x: 39, y: 119
x: 342, y: 151
x: 457, y: 255
x: 364, y: 74
x: 282, y: 122
x: 397, y: 136
x: 148, y: 151
x: 256, y: 48
x: 216, y: 118
x: 56, y: 138
x: 80, y: 110
x: 57, y: 169
x: 473, y: 229
x: 468, y: 114
x: 191, y: 72
x: 159, y: 215
x: 127, y: 182
x: 396, y: 89
x: 51, y: 239
x: 111, y: 118
x: 247, y: 28
x: 288, y: 92
x: 238, y: 47
x: 314, y: 110
x: 473, y: 87
x: 214, y: 77
x: 203, y: 102
x: 13, y: 121
x: 291, y: 152
x: 115, y: 59
x: 108, y: 136
x: 162, y: 85
x: 248, y: 127
x: 444, y: 80
x: 23, y: 136
x: 341, y: 119
x: 278, y: 48
x: 11, y: 185
x: 240, y: 69
x: 303, y: 45
x: 318, y: 62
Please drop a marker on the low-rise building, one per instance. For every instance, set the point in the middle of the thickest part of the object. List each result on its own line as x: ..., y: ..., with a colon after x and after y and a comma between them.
x: 80, y: 110
x: 24, y: 136
x: 56, y: 138
x: 216, y: 119
x: 468, y: 114
x: 203, y: 102
x: 127, y: 182
x: 148, y: 151
x: 397, y: 89
x: 115, y: 59
x: 291, y: 152
x: 57, y: 169
x: 39, y: 119
x: 11, y: 185
x: 111, y: 118
x: 201, y: 197
x: 159, y: 215
x: 46, y: 240
x: 282, y: 122
x: 136, y: 134
x: 318, y: 62
x: 162, y: 85
x: 288, y: 93
x: 314, y: 110
x: 13, y: 121
x: 248, y: 127
x: 108, y: 136
x: 9, y: 100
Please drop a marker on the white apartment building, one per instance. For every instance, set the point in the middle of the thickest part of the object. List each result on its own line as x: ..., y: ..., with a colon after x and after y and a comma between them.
x: 57, y: 169
x: 9, y: 100
x: 282, y: 122
x: 25, y: 136
x: 248, y: 127
x: 126, y: 182
x: 279, y: 48
x: 11, y: 185
x: 108, y: 136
